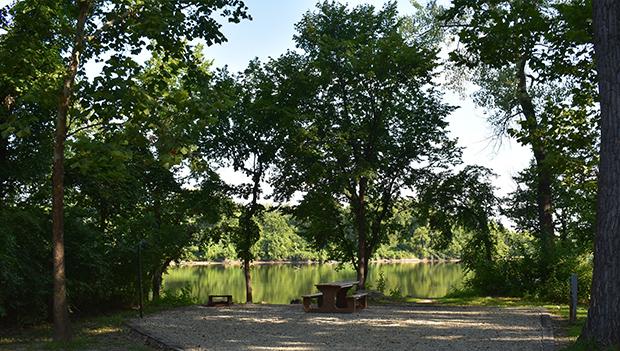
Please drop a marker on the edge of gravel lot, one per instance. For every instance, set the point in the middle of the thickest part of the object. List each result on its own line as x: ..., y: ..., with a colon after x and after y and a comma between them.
x: 548, y: 341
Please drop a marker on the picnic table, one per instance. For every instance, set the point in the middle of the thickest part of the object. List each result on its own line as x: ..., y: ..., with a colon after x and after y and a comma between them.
x: 333, y: 298
x: 219, y: 300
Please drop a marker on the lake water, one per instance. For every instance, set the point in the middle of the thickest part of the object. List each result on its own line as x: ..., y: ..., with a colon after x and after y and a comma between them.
x: 281, y: 283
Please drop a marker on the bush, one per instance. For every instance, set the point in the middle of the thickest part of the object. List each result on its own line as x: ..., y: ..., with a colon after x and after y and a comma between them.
x: 25, y: 272
x: 515, y: 270
x: 182, y: 297
x: 100, y: 273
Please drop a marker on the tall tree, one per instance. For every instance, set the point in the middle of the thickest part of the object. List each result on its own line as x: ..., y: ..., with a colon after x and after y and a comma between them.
x: 87, y: 30
x: 369, y: 123
x: 531, y: 80
x: 250, y: 143
x: 603, y: 324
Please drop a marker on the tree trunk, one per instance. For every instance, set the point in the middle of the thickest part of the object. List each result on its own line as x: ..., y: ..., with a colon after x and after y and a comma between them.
x: 158, y: 279
x: 4, y: 165
x: 248, y: 281
x: 61, y: 313
x: 603, y: 324
x: 360, y: 216
x: 545, y: 211
x: 257, y: 174
x: 543, y: 173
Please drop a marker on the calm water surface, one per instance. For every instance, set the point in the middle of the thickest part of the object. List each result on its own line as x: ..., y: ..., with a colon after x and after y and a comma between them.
x: 281, y: 283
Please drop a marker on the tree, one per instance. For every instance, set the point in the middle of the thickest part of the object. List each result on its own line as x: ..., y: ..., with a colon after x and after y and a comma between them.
x: 368, y: 123
x: 86, y: 30
x: 536, y: 82
x: 250, y: 142
x: 603, y: 324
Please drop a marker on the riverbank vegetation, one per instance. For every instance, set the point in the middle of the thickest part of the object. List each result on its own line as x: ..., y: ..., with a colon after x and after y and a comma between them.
x: 349, y: 132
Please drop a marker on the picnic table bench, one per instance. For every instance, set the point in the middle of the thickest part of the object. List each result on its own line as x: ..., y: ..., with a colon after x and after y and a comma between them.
x: 219, y: 300
x: 359, y: 300
x: 333, y: 298
x: 307, y: 300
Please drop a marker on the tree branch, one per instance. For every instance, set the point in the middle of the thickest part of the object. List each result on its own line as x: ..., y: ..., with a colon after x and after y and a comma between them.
x: 88, y: 126
x: 109, y: 24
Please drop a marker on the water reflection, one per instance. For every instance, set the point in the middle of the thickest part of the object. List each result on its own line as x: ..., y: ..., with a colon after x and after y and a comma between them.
x: 283, y: 282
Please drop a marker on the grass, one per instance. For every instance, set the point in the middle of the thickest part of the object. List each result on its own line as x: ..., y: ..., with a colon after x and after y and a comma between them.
x: 105, y: 332
x: 99, y: 333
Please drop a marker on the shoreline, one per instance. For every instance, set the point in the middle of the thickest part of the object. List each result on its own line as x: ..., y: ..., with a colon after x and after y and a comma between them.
x: 309, y: 262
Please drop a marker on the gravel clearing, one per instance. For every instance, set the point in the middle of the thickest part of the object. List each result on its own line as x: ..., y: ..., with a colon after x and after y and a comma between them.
x: 392, y: 327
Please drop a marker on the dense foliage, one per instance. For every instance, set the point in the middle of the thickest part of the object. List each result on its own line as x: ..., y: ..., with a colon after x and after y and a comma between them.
x: 533, y: 64
x: 130, y: 128
x: 369, y: 125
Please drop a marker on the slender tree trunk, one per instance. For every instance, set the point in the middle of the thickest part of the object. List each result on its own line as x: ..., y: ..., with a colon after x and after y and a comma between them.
x: 253, y: 210
x: 4, y: 157
x: 248, y: 281
x: 61, y: 313
x: 603, y: 324
x: 362, y: 286
x: 158, y: 279
x: 543, y: 173
x: 360, y: 214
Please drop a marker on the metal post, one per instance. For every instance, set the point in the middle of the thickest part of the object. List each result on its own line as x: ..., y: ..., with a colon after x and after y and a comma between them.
x: 140, y: 276
x: 573, y: 298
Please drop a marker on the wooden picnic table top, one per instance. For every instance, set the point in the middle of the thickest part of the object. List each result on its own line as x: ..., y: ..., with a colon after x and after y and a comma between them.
x: 341, y: 284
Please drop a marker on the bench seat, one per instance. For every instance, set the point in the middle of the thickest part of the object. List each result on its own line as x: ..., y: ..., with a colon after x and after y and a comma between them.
x: 358, y: 301
x: 307, y: 300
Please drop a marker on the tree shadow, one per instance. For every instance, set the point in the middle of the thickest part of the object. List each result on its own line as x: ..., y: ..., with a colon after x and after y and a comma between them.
x: 286, y: 327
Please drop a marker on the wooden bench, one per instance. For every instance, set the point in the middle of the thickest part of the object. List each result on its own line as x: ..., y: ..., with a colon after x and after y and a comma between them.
x: 219, y: 300
x: 307, y: 300
x: 358, y: 301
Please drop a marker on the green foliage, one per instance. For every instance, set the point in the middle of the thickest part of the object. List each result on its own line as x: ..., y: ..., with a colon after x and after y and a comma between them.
x: 280, y: 240
x: 181, y: 297
x: 285, y: 239
x: 369, y: 124
x: 131, y: 128
x: 513, y: 270
x: 381, y: 282
x: 246, y: 235
x: 462, y: 200
x: 24, y: 287
x: 533, y: 62
x: 395, y: 293
x: 218, y: 251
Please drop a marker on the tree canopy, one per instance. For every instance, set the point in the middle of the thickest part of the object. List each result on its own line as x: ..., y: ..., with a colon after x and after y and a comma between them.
x: 369, y: 125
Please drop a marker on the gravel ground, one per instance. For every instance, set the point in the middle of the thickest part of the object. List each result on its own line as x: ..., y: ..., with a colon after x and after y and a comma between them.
x: 394, y: 327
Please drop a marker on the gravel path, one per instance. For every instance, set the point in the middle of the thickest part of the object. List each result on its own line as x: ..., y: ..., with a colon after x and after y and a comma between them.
x: 395, y: 327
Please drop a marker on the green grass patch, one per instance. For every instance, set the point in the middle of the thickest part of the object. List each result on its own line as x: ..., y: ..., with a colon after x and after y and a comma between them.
x: 97, y: 333
x: 104, y: 332
x: 586, y: 346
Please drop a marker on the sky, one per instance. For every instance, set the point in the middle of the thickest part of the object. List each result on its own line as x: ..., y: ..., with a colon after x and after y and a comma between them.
x: 270, y: 34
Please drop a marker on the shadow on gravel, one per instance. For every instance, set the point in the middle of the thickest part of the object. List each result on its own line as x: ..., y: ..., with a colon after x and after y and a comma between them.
x: 284, y: 327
